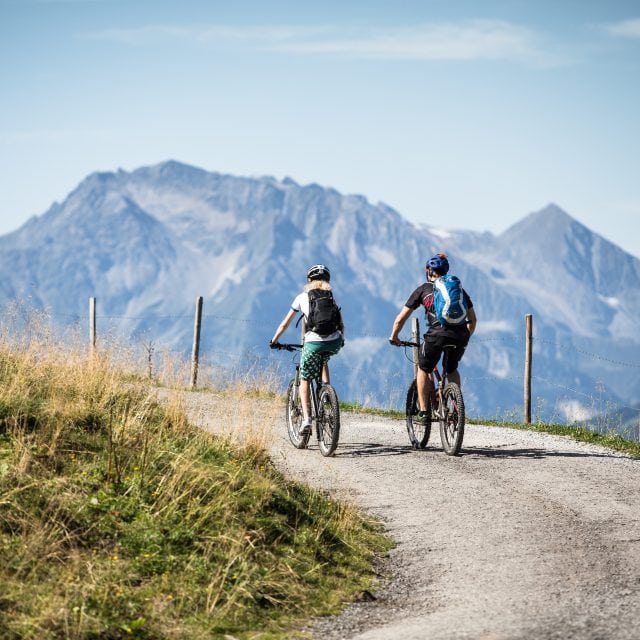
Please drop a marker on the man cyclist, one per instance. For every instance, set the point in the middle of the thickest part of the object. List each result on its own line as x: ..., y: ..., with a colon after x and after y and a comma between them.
x: 317, y: 349
x: 437, y: 335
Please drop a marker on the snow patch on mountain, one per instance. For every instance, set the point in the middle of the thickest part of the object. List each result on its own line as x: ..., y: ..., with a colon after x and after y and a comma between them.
x: 440, y: 233
x: 337, y: 235
x: 225, y: 268
x: 381, y: 256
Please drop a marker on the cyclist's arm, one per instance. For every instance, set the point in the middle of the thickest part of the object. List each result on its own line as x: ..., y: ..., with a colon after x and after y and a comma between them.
x: 398, y: 323
x: 284, y: 325
x: 471, y: 321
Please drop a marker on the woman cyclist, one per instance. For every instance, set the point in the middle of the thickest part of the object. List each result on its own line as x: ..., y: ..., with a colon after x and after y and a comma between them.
x: 322, y: 340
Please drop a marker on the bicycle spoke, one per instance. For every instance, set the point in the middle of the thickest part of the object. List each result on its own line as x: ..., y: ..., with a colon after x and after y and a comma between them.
x: 419, y: 431
x: 453, y: 419
x: 294, y: 415
x: 328, y: 422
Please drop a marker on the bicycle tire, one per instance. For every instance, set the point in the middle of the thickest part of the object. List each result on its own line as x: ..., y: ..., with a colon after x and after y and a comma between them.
x: 328, y: 420
x: 293, y: 417
x: 418, y: 433
x: 452, y: 425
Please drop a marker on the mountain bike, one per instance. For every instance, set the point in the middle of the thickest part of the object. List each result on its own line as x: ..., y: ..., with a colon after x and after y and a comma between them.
x: 446, y: 406
x: 325, y: 411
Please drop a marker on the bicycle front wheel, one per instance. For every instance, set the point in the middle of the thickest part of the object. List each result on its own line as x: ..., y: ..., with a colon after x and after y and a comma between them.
x: 419, y: 432
x: 294, y: 416
x: 328, y: 420
x: 452, y: 424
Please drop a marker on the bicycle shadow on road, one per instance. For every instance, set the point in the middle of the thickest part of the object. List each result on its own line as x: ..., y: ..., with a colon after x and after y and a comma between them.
x: 368, y: 449
x: 533, y: 453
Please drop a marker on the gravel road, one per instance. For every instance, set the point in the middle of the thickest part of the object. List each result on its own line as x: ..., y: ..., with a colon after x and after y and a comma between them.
x: 524, y: 535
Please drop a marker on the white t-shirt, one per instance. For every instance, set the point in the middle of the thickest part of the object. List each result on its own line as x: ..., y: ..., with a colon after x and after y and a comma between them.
x: 301, y: 303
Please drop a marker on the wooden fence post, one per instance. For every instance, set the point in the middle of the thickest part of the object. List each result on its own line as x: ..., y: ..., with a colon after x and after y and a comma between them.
x: 92, y: 325
x: 197, y: 323
x: 527, y: 367
x: 415, y: 337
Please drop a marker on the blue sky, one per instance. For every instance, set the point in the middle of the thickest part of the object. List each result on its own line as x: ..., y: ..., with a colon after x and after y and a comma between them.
x: 457, y: 114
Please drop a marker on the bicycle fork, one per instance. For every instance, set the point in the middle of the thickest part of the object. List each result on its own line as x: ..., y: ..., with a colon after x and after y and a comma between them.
x: 314, y: 391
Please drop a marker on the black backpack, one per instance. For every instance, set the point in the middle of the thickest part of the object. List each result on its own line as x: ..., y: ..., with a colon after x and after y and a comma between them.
x: 324, y: 314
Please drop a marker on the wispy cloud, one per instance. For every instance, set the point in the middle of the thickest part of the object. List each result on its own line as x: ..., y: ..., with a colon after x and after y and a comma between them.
x: 472, y: 40
x: 625, y: 29
x: 51, y: 136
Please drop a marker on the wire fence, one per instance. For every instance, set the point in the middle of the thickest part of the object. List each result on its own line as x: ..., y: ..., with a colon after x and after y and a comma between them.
x: 221, y: 363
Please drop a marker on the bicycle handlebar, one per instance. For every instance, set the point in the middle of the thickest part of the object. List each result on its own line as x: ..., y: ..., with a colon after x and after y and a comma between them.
x: 405, y: 343
x: 293, y: 347
x: 284, y: 346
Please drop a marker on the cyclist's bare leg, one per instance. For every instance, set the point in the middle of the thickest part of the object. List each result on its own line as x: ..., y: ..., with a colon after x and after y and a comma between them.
x: 454, y: 376
x: 325, y: 374
x: 305, y: 396
x: 423, y: 382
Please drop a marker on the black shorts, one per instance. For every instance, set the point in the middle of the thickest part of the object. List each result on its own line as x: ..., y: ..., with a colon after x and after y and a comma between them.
x: 431, y: 350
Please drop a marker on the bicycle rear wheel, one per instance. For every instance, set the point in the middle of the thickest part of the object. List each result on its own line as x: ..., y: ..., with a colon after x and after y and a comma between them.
x: 418, y: 433
x: 452, y: 426
x: 294, y: 416
x: 328, y: 420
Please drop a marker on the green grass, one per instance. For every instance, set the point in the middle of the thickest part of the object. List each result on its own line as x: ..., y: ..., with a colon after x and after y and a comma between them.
x: 120, y: 520
x: 372, y: 411
x: 581, y: 434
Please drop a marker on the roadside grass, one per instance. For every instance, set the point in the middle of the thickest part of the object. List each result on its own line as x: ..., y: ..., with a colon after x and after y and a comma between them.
x: 372, y: 411
x: 581, y: 434
x: 118, y: 519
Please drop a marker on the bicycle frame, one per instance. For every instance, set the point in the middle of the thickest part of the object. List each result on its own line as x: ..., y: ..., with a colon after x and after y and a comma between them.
x: 314, y: 388
x: 438, y: 383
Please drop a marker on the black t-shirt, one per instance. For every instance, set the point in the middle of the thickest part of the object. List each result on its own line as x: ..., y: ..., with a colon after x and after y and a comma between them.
x: 423, y: 296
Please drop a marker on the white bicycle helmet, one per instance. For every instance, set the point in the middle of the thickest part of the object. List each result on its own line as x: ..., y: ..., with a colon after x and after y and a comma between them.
x: 319, y: 272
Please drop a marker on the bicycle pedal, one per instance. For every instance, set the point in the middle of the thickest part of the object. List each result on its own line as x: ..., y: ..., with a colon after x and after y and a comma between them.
x: 305, y: 430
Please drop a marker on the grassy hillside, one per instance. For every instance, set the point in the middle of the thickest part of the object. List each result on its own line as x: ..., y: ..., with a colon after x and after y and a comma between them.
x: 120, y: 520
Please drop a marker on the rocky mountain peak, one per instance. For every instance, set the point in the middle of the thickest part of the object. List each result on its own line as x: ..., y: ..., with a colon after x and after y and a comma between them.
x: 146, y: 242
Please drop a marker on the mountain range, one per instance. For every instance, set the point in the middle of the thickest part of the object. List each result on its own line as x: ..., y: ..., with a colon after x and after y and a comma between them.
x: 146, y: 243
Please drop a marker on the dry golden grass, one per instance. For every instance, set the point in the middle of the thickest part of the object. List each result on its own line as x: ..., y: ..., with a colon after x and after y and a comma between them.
x: 245, y: 417
x: 120, y: 520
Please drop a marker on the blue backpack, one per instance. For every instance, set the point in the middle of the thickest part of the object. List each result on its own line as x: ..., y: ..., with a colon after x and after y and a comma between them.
x: 449, y: 301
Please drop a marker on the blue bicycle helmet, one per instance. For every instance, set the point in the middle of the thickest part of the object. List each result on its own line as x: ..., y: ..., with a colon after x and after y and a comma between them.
x: 319, y: 272
x: 438, y: 263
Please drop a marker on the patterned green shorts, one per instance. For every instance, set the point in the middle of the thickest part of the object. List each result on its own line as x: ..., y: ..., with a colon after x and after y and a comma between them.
x: 315, y: 355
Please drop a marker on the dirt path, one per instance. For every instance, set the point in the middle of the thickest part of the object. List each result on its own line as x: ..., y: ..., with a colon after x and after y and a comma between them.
x: 524, y: 535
